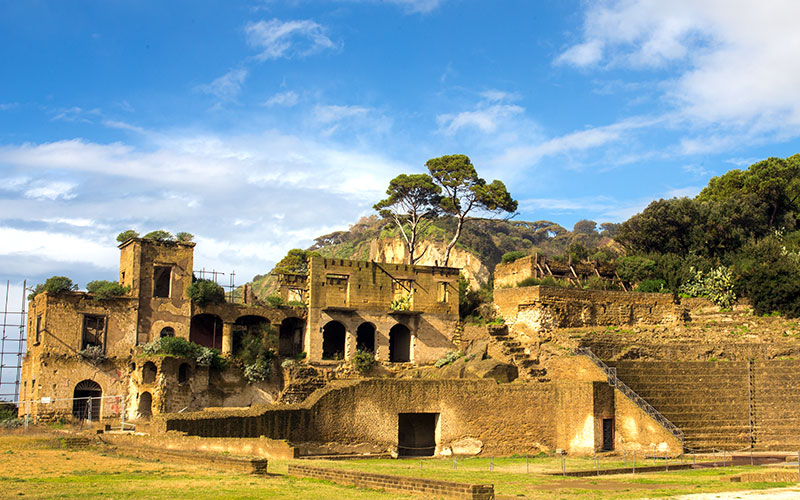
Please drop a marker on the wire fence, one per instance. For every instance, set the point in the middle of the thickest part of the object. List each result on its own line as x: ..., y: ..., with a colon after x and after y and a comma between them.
x: 85, y: 409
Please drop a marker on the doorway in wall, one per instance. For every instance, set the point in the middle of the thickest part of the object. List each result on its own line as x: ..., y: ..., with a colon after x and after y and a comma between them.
x: 416, y: 434
x: 608, y: 434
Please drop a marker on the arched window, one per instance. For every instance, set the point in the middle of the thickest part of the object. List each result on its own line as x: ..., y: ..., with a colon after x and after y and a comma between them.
x: 149, y: 373
x: 399, y: 344
x: 333, y: 335
x: 167, y: 331
x: 145, y: 405
x: 365, y: 337
x: 86, y: 403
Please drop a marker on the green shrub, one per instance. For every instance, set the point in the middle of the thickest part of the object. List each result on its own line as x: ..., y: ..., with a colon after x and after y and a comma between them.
x: 159, y: 235
x: 204, y: 291
x: 184, y: 237
x: 182, y: 348
x: 126, y: 235
x: 54, y: 285
x: 448, y: 359
x: 274, y: 301
x: 635, y: 268
x: 93, y: 354
x: 512, y: 256
x: 296, y: 303
x: 363, y: 361
x: 255, y: 351
x: 717, y: 285
x: 104, y: 290
x: 529, y: 281
x: 652, y: 286
x: 402, y: 303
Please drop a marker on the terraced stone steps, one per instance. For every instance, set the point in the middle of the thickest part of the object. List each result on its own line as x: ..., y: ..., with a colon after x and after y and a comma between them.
x: 519, y: 354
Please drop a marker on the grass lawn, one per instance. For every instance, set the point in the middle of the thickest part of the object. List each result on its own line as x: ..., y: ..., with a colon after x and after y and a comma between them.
x: 32, y: 466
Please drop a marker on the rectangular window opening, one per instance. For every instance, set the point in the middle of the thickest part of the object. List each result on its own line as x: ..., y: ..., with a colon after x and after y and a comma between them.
x: 161, y: 281
x: 94, y: 330
x: 38, y: 328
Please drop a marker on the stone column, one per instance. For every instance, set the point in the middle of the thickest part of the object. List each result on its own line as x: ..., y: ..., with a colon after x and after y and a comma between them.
x: 227, y: 339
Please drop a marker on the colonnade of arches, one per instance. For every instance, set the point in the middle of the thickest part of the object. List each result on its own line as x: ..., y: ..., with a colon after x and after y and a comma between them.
x: 334, y: 338
x: 208, y: 330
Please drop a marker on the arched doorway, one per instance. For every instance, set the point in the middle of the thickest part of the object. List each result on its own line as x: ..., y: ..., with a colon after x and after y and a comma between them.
x: 255, y: 328
x: 86, y: 403
x: 149, y: 372
x: 145, y: 405
x: 365, y: 337
x: 399, y: 344
x: 206, y: 330
x: 290, y: 342
x: 333, y: 335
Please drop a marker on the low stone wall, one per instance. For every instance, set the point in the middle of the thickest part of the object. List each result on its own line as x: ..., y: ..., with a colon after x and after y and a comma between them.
x: 400, y: 484
x: 256, y: 447
x: 247, y: 465
x: 543, y: 308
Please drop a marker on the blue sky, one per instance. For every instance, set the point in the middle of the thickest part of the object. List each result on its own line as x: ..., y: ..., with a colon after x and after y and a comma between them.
x: 260, y: 125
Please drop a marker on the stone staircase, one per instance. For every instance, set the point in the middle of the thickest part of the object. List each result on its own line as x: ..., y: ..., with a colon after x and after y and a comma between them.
x: 708, y: 401
x: 776, y: 404
x: 519, y: 355
x: 301, y: 383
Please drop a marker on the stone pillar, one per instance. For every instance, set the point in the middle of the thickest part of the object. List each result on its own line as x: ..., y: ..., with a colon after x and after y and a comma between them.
x: 227, y: 339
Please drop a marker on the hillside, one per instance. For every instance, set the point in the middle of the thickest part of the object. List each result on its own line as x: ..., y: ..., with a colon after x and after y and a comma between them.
x: 481, y: 247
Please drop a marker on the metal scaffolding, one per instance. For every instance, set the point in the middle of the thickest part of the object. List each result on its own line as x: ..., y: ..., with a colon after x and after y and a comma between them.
x: 12, y: 344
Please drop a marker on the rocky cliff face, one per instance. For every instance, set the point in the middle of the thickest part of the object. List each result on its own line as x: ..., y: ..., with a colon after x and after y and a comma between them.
x: 394, y: 251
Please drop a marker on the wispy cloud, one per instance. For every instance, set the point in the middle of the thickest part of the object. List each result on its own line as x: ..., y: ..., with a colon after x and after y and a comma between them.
x: 227, y: 86
x: 276, y: 38
x: 287, y: 99
x: 51, y: 191
x: 486, y: 118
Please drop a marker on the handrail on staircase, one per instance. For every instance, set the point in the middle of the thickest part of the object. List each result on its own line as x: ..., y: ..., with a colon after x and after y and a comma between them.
x: 639, y: 401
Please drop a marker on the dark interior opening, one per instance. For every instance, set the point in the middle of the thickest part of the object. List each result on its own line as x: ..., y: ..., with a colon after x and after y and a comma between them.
x: 167, y: 332
x: 290, y: 338
x: 149, y: 373
x: 416, y: 434
x: 86, y: 405
x: 184, y: 372
x: 608, y: 434
x: 94, y: 330
x: 206, y: 330
x: 333, y: 335
x: 399, y: 344
x: 145, y: 405
x: 161, y: 280
x: 365, y: 337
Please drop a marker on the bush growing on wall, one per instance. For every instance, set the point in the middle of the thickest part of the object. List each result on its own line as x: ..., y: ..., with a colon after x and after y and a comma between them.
x: 363, y: 361
x: 204, y: 291
x: 182, y: 348
x: 104, y: 290
x: 512, y: 256
x: 54, y: 285
x: 126, y: 235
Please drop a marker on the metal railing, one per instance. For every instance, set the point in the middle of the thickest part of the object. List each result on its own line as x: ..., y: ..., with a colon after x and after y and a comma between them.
x: 639, y: 401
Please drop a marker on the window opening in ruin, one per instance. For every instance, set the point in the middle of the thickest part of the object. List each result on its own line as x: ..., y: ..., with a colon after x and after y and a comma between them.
x: 184, y: 373
x: 416, y: 434
x: 145, y: 405
x: 608, y: 434
x: 167, y: 331
x: 149, y: 373
x: 443, y: 291
x: 94, y: 329
x: 365, y: 337
x: 161, y: 281
x: 399, y: 344
x: 206, y: 330
x: 86, y: 391
x: 38, y: 328
x: 290, y: 338
x: 333, y: 335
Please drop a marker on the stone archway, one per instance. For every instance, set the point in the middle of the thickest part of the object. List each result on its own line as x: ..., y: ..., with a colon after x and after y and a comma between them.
x: 333, y: 337
x: 399, y: 344
x: 87, y: 398
x: 206, y: 330
x: 365, y: 338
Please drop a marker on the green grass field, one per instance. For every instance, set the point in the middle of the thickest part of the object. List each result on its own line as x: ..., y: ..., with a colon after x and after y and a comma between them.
x: 33, y: 466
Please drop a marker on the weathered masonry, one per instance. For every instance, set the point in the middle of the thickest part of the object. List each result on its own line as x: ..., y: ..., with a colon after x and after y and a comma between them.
x: 399, y: 312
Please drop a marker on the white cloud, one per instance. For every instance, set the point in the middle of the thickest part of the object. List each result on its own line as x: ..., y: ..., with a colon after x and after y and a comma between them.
x: 287, y: 99
x: 417, y: 6
x: 54, y: 246
x: 736, y: 60
x: 486, y: 118
x: 334, y: 113
x: 227, y: 86
x: 50, y: 190
x: 276, y: 39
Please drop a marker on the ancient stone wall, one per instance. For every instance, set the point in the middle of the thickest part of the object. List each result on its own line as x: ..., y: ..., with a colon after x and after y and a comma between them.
x: 544, y: 308
x: 400, y: 484
x: 257, y: 447
x: 357, y: 292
